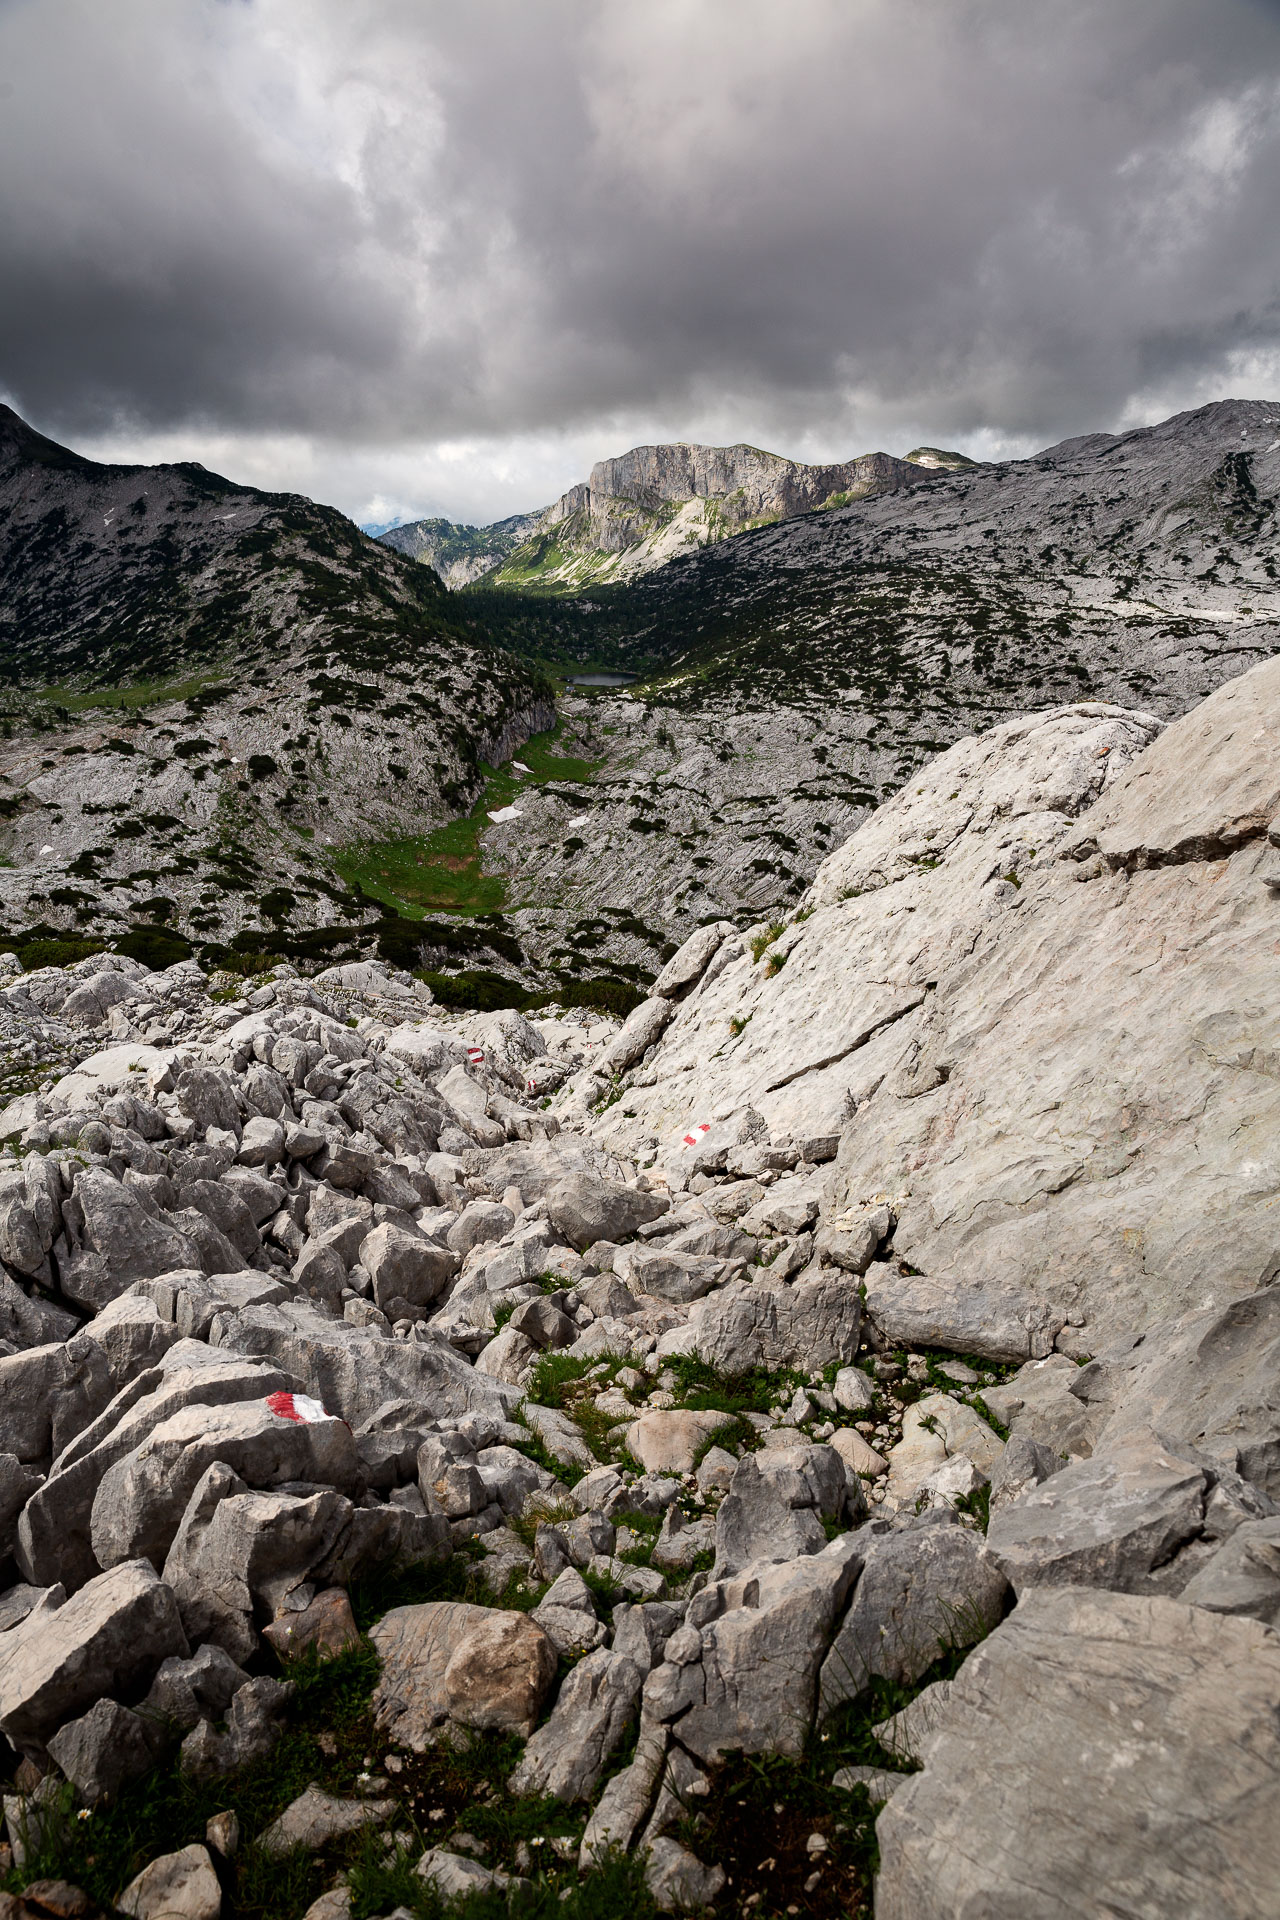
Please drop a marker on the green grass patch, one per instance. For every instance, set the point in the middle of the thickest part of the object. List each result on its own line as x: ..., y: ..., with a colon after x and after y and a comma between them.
x: 699, y: 1386
x: 760, y: 941
x: 571, y: 1382
x: 614, y: 1890
x: 428, y: 872
x: 142, y: 693
x: 326, y: 1740
x: 444, y: 870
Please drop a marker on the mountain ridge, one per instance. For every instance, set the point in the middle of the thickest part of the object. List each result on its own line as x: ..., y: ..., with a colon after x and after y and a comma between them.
x: 791, y: 679
x: 300, y: 684
x: 639, y: 509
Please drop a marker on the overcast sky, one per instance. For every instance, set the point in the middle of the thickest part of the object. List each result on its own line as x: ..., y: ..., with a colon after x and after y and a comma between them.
x: 437, y: 256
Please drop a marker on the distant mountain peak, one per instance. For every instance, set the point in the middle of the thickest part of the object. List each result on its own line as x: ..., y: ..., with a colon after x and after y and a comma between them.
x: 940, y: 457
x: 652, y: 504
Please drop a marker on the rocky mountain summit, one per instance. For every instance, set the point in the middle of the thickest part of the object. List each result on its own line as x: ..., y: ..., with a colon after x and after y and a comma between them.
x: 461, y: 554
x: 643, y: 508
x: 812, y: 1445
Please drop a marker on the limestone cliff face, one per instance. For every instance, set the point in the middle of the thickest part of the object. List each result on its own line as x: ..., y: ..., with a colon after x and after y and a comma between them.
x: 624, y: 494
x: 642, y: 508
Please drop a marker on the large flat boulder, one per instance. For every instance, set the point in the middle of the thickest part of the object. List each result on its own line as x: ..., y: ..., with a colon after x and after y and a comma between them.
x: 814, y: 1323
x: 54, y: 1530
x: 1037, y: 995
x: 585, y: 1207
x: 355, y: 1372
x: 1099, y: 1753
x: 109, y: 1639
x: 1104, y: 1522
x: 446, y: 1660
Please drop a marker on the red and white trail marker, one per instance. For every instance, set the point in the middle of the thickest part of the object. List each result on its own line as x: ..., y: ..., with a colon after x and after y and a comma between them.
x: 694, y: 1135
x: 299, y: 1407
x: 476, y: 1056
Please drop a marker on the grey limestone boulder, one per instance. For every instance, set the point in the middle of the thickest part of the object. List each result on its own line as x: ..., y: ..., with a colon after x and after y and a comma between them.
x: 851, y: 1240
x: 1043, y: 1402
x: 560, y: 1436
x: 17, y: 1484
x: 689, y: 962
x: 1025, y: 1463
x: 23, y: 1246
x: 107, y: 1639
x: 316, y: 1817
x: 119, y: 1241
x: 235, y: 1550
x: 54, y: 1530
x: 445, y: 1660
x: 712, y: 1150
x: 596, y: 1703
x: 353, y: 1371
x: 30, y: 1321
x: 742, y: 1674
x: 208, y: 1096
x: 811, y: 1324
x: 102, y: 1751
x: 543, y: 1323
x: 409, y: 1272
x: 994, y: 1321
x: 506, y: 1356
x: 1208, y: 1379
x: 678, y: 1880
x: 567, y: 1615
x: 198, y: 1687
x: 667, y: 1440
x: 681, y: 1542
x: 642, y: 1027
x: 177, y: 1886
x: 89, y: 1004
x: 1243, y: 1576
x: 254, y: 1726
x: 479, y: 1222
x: 586, y: 1207
x: 223, y: 1207
x: 141, y: 1500
x: 455, y: 1875
x: 1105, y: 1522
x: 1096, y: 1742
x: 210, y: 1246
x: 620, y: 1812
x: 920, y: 1591
x: 261, y: 1196
x: 776, y: 1504
x: 262, y: 1141
x: 905, y: 1734
x: 669, y: 1275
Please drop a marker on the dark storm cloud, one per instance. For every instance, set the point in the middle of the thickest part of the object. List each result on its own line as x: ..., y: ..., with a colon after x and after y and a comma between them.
x: 388, y: 222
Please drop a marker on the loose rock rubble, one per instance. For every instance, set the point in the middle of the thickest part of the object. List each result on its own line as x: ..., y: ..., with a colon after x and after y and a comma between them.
x: 314, y: 1286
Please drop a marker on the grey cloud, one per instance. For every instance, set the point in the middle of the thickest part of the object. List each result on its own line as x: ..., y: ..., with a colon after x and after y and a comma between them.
x: 374, y: 223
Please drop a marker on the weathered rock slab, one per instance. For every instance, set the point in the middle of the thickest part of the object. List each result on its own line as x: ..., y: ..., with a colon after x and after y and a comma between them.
x: 1098, y: 1752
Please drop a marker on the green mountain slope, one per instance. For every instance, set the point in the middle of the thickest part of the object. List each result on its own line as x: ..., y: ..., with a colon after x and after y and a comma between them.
x: 284, y: 686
